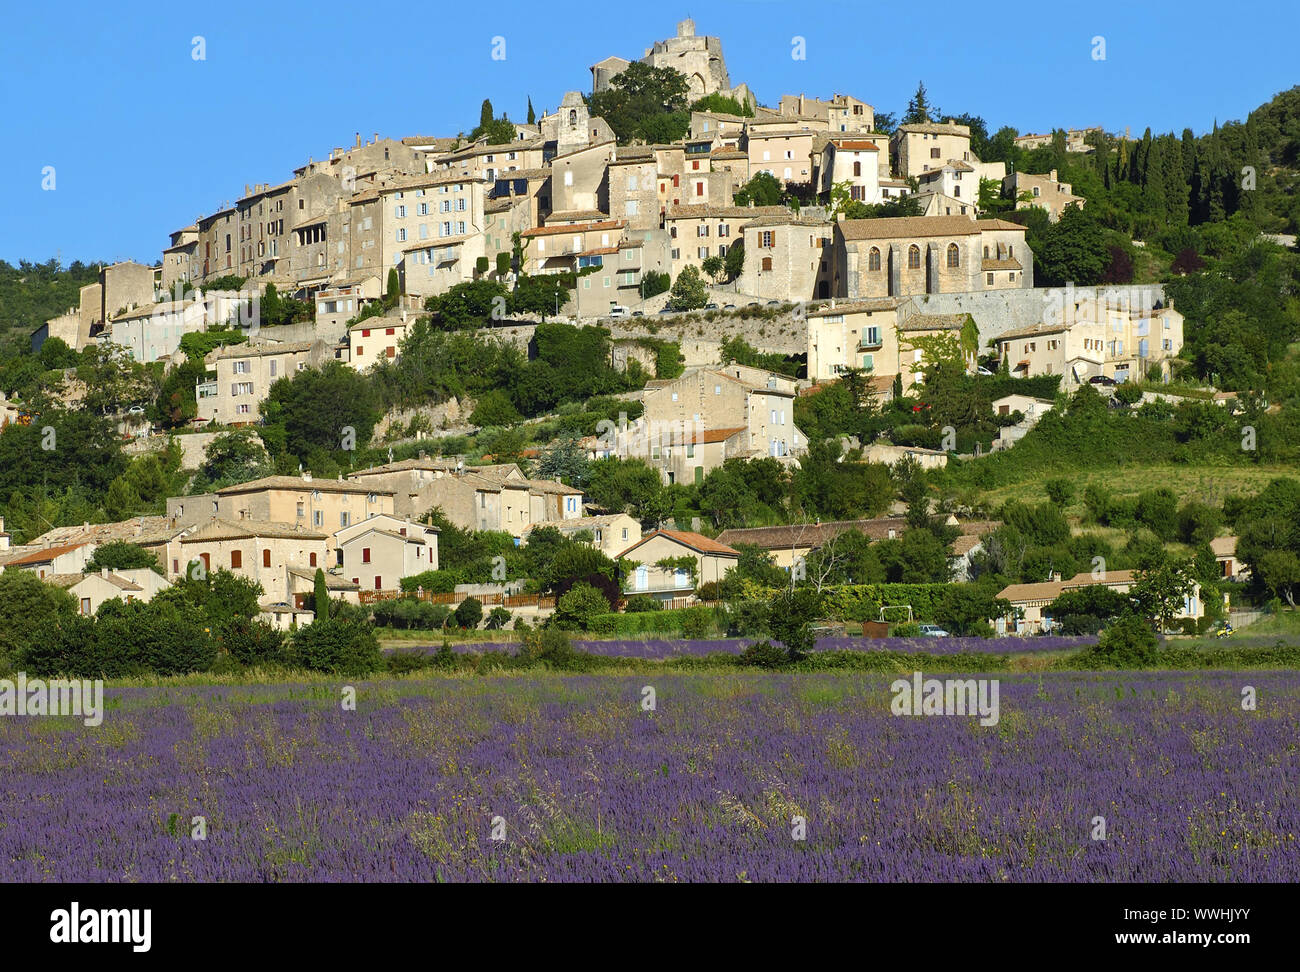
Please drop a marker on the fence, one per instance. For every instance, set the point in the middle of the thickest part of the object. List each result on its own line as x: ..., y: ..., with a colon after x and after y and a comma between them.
x: 487, y: 600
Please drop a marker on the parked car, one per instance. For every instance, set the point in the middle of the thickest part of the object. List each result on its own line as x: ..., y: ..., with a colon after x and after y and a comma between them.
x: 135, y: 410
x: 638, y: 313
x: 728, y: 306
x: 753, y: 303
x: 710, y: 306
x: 667, y: 310
x: 1103, y: 380
x: 933, y: 631
x: 618, y: 310
x: 983, y: 371
x: 774, y: 303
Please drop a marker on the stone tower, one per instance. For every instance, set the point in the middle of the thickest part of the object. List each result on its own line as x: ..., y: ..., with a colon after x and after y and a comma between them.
x: 571, y: 134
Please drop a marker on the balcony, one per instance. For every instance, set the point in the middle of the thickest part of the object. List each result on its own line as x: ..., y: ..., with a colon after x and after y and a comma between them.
x: 869, y: 342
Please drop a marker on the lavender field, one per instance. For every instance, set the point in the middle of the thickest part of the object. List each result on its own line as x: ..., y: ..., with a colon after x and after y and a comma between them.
x: 665, y: 648
x: 585, y: 785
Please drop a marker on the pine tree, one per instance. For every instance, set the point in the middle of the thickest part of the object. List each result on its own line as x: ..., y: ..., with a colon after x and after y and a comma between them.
x: 532, y: 115
x: 919, y: 109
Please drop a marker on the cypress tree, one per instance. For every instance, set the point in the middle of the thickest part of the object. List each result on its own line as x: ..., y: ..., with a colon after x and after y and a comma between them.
x: 321, y: 596
x: 485, y: 114
x: 532, y: 115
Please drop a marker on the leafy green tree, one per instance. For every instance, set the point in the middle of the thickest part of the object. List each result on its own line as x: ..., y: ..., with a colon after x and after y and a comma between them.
x: 122, y: 555
x: 645, y: 103
x: 1159, y: 592
x: 313, y: 408
x: 716, y: 267
x: 1073, y: 249
x: 1060, y: 491
x: 689, y: 292
x: 580, y: 607
x: 791, y: 619
x: 540, y: 294
x: 1129, y: 642
x: 762, y: 189
x: 26, y: 603
x: 468, y: 304
x: 233, y: 457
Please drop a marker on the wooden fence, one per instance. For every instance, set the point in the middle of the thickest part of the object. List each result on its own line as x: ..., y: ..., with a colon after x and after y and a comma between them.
x: 453, y: 600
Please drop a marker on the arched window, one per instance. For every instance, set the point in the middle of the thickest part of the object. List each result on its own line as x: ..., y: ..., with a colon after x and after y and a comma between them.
x: 857, y: 168
x: 914, y: 257
x: 954, y: 255
x: 873, y: 259
x: 573, y: 117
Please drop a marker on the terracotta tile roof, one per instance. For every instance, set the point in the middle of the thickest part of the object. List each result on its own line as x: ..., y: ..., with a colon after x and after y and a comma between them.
x: 1034, y: 330
x: 611, y: 224
x: 577, y: 216
x: 858, y: 306
x: 855, y: 145
x: 1010, y: 264
x: 1021, y: 593
x: 43, y: 556
x: 695, y: 541
x: 333, y: 582
x: 934, y: 128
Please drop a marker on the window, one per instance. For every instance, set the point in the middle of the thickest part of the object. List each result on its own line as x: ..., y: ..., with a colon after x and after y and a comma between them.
x: 990, y: 280
x: 365, y: 555
x: 934, y: 153
x: 702, y: 252
x: 913, y: 257
x: 954, y: 255
x: 311, y: 560
x: 873, y: 259
x: 85, y: 605
x: 318, y: 518
x: 345, y: 518
x: 767, y: 263
x: 236, y: 559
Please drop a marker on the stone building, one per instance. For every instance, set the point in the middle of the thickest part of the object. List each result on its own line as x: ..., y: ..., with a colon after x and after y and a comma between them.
x: 911, y: 255
x: 787, y: 257
x: 1046, y: 192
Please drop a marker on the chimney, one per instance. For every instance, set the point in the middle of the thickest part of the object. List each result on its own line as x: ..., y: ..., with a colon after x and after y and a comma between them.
x: 245, y: 188
x: 103, y: 572
x: 306, y: 475
x: 358, y: 140
x: 376, y: 141
x: 1052, y: 176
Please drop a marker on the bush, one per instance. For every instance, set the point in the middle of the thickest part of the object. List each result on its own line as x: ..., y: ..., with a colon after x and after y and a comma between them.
x: 764, y: 654
x: 905, y: 629
x: 708, y: 591
x: 749, y: 619
x: 469, y: 613
x: 250, y: 642
x: 497, y: 619
x: 639, y: 603
x: 1127, y: 643
x: 697, y: 622
x: 549, y: 645
x: 1060, y: 491
x: 342, y: 647
x: 581, y: 608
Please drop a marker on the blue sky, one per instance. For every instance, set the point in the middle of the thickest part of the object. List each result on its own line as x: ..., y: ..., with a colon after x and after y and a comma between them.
x: 143, y: 138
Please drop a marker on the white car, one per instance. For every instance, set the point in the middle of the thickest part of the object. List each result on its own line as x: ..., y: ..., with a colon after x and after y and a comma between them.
x: 618, y: 310
x: 933, y: 631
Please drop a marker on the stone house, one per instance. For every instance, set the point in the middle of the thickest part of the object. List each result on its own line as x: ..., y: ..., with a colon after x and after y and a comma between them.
x: 699, y: 232
x: 1045, y: 191
x: 93, y: 589
x: 260, y: 550
x: 383, y: 549
x: 241, y: 375
x: 788, y: 257
x: 652, y: 576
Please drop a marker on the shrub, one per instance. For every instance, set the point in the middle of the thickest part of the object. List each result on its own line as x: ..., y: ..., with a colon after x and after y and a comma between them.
x: 1128, y: 643
x: 1060, y: 491
x: 580, y: 607
x: 343, y: 647
x: 639, y: 603
x: 497, y: 619
x: 764, y: 654
x: 469, y: 613
x: 250, y: 642
x: 551, y: 646
x: 905, y: 629
x: 708, y: 591
x: 697, y: 622
x: 749, y: 619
